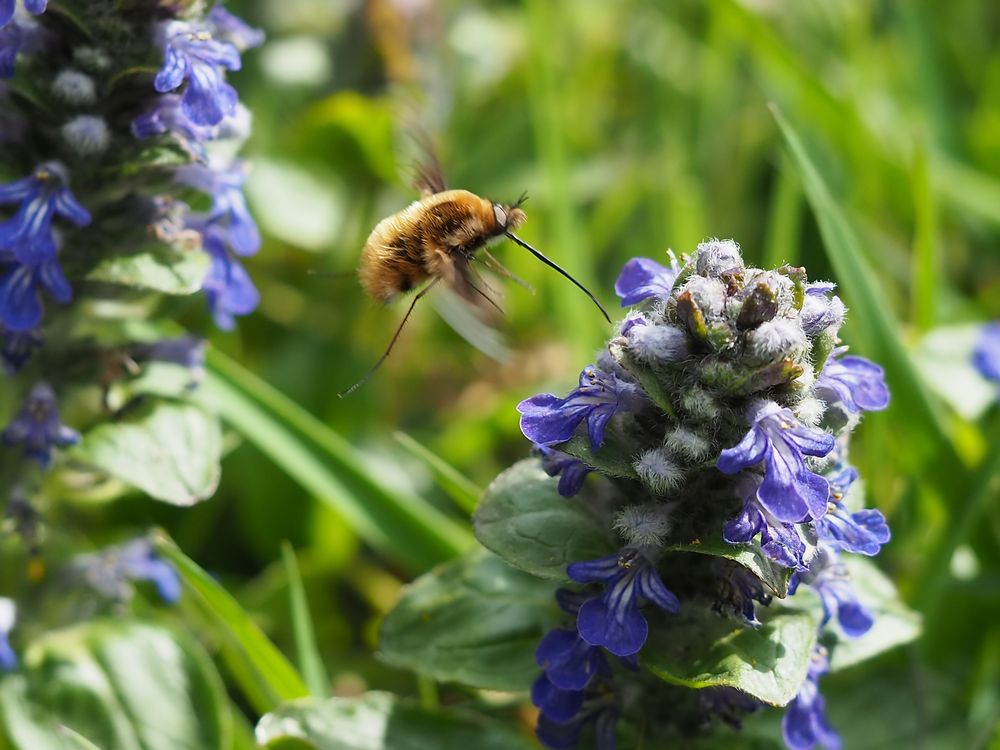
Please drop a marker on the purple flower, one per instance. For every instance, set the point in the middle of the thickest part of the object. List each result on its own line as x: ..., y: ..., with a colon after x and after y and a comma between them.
x: 571, y: 471
x: 739, y: 591
x: 613, y: 620
x: 11, y: 40
x: 112, y: 570
x: 854, y: 382
x: 547, y: 419
x: 829, y: 578
x: 37, y: 427
x: 568, y: 661
x: 804, y: 724
x: 863, y: 532
x: 779, y: 540
x: 167, y: 116
x: 8, y: 616
x: 790, y: 491
x: 233, y: 29
x: 17, y: 348
x: 819, y: 311
x: 186, y: 351
x: 642, y: 278
x: 21, y: 293
x: 192, y: 55
x: 227, y: 286
x: 564, y: 714
x: 35, y: 7
x: 229, y: 212
x: 43, y: 195
x: 987, y: 354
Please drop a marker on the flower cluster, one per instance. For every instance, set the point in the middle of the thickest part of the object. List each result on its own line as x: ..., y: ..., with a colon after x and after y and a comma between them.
x: 721, y: 410
x: 99, y: 158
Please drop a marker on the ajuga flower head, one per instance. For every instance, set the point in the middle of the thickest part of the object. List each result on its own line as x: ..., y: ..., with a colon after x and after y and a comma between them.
x: 708, y: 447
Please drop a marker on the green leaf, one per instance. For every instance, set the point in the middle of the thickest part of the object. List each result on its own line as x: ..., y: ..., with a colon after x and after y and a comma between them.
x: 895, y: 623
x: 159, y: 268
x: 380, y: 721
x: 264, y: 673
x: 475, y: 621
x: 610, y: 459
x: 750, y: 556
x: 310, y: 660
x: 701, y: 649
x: 168, y: 450
x: 461, y: 489
x: 523, y: 518
x: 122, y: 685
x: 400, y: 524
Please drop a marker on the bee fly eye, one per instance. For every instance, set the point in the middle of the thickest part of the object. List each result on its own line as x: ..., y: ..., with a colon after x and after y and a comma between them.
x: 500, y: 214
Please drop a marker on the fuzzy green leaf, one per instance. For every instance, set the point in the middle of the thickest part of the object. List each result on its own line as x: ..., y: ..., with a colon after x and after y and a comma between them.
x: 474, y: 620
x: 700, y: 649
x: 895, y: 623
x: 120, y: 685
x: 523, y: 518
x: 159, y: 268
x: 380, y: 721
x: 610, y: 459
x: 171, y: 451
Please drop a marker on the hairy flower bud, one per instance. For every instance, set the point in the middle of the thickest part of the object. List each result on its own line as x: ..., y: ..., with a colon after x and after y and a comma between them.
x: 659, y: 470
x: 87, y: 135
x: 74, y: 87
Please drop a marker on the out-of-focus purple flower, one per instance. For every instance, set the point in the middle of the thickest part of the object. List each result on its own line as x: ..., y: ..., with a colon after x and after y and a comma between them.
x: 828, y: 577
x: 186, y: 351
x: 548, y: 420
x: 112, y: 571
x: 726, y: 704
x: 740, y: 591
x: 37, y: 427
x: 227, y: 286
x: 854, y: 382
x: 987, y: 354
x: 790, y: 492
x: 564, y: 714
x: 192, y: 55
x: 804, y: 724
x: 166, y: 115
x: 233, y: 29
x: 11, y: 41
x: 613, y: 619
x: 863, y: 532
x: 229, y: 213
x: 41, y: 196
x: 17, y: 348
x: 642, y: 278
x: 8, y: 616
x: 21, y: 293
x: 7, y: 7
x: 778, y: 539
x: 571, y: 471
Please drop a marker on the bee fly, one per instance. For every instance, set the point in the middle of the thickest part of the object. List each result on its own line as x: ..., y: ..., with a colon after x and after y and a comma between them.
x: 436, y: 239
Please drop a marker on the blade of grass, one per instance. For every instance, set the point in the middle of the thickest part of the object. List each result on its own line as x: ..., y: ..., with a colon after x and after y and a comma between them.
x: 460, y: 488
x: 878, y: 332
x: 274, y: 679
x: 926, y: 267
x: 310, y: 661
x: 403, y: 526
x: 781, y: 244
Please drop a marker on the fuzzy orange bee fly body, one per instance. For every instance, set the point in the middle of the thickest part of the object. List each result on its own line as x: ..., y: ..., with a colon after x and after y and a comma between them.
x: 436, y: 239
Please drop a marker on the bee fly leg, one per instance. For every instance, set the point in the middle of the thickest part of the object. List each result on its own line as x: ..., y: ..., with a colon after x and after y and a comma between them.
x: 392, y: 343
x: 497, y: 267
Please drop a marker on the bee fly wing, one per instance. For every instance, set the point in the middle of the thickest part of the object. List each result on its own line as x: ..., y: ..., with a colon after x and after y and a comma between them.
x: 428, y: 177
x: 465, y: 317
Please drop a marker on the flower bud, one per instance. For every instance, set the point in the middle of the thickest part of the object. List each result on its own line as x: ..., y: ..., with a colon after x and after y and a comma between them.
x: 688, y: 444
x: 74, y: 87
x: 717, y: 257
x: 776, y: 339
x: 643, y: 525
x: 657, y: 343
x: 87, y: 135
x: 659, y: 471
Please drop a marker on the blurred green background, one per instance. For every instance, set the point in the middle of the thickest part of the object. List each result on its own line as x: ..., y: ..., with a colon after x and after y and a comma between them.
x: 636, y: 127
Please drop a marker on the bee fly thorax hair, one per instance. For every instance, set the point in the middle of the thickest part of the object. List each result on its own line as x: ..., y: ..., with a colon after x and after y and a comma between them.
x: 515, y: 218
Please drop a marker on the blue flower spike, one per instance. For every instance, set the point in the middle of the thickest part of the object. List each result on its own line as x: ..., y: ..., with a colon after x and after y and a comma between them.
x: 853, y: 382
x: 112, y: 571
x: 37, y: 427
x: 805, y: 725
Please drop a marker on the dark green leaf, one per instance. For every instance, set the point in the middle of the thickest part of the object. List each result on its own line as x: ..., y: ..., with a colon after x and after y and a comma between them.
x: 524, y: 519
x: 127, y: 686
x: 169, y: 450
x: 380, y: 721
x: 159, y: 268
x: 262, y: 670
x: 895, y: 623
x: 475, y: 620
x: 702, y: 649
x: 750, y: 556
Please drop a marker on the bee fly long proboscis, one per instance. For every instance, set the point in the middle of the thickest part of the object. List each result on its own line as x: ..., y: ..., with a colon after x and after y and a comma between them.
x: 437, y: 238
